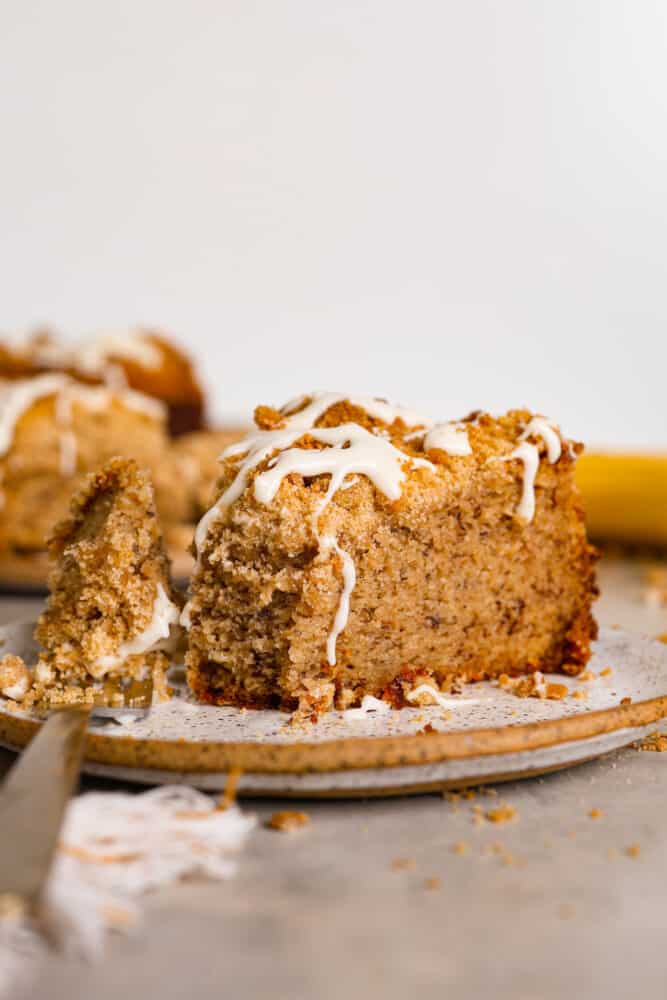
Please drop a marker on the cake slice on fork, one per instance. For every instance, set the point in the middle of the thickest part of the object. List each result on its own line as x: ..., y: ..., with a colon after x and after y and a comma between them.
x: 112, y: 612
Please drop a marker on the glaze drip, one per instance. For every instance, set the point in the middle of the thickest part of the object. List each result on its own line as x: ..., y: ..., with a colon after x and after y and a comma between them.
x: 530, y: 456
x: 153, y: 636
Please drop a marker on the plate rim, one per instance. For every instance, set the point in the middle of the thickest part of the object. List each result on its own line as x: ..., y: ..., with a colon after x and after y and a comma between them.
x: 350, y: 752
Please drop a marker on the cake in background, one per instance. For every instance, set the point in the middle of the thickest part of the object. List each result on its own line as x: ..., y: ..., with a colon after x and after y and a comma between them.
x: 196, y: 459
x: 65, y: 410
x: 144, y: 360
x: 357, y: 549
x: 54, y: 431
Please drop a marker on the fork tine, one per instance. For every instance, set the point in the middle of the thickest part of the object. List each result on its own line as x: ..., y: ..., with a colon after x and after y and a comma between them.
x: 131, y: 696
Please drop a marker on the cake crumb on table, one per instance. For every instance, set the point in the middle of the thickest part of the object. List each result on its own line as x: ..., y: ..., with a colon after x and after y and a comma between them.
x: 287, y: 820
x: 433, y: 884
x: 501, y: 814
x: 657, y: 742
x: 460, y: 847
x: 403, y: 864
x: 596, y: 813
x: 633, y: 850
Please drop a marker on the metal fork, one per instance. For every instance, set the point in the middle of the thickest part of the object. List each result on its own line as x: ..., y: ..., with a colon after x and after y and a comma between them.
x: 35, y: 793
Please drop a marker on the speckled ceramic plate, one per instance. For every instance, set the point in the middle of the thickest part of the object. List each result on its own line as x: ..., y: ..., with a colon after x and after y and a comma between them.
x: 485, y: 734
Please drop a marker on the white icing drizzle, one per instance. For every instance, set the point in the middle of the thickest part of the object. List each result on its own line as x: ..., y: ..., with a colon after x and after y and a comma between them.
x: 320, y: 402
x: 349, y: 583
x: 131, y: 345
x: 18, y: 690
x: 68, y: 446
x: 68, y: 454
x: 259, y: 445
x: 429, y: 691
x: 530, y: 456
x: 92, y: 356
x: 369, y: 706
x: 185, y: 621
x: 351, y: 450
x: 452, y: 438
x: 165, y: 614
x: 540, y: 427
x: 18, y: 396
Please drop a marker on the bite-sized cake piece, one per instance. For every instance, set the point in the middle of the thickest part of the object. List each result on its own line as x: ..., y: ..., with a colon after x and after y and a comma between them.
x: 54, y: 431
x: 196, y: 461
x: 357, y: 549
x: 112, y: 610
x: 143, y: 360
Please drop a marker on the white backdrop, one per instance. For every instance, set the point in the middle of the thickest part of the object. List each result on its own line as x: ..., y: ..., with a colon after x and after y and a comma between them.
x: 453, y: 204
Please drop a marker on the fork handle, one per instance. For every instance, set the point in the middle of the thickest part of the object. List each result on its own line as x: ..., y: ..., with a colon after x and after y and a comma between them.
x: 33, y: 799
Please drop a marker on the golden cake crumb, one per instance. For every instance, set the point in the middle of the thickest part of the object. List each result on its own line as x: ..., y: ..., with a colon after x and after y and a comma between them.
x: 657, y: 742
x: 287, y: 820
x: 433, y: 884
x: 596, y: 813
x: 455, y: 795
x: 607, y: 672
x: 501, y: 814
x: 14, y: 677
x: 633, y: 850
x: 403, y: 864
x: 460, y: 847
x: 533, y: 686
x: 662, y: 637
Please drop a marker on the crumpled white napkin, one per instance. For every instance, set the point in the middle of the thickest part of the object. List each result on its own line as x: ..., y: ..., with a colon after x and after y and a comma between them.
x: 114, y: 847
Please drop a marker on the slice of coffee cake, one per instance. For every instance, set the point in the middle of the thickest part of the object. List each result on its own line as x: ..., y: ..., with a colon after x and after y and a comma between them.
x: 112, y: 610
x: 358, y: 549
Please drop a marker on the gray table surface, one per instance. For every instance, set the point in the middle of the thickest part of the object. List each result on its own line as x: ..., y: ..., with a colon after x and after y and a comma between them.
x: 563, y: 911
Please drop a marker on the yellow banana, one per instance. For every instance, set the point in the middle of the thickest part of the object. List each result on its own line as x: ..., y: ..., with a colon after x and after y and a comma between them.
x: 625, y: 496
